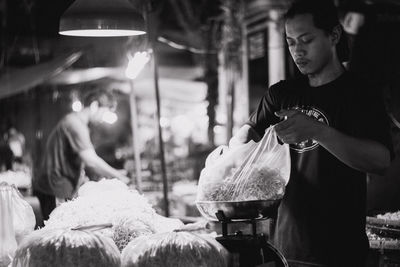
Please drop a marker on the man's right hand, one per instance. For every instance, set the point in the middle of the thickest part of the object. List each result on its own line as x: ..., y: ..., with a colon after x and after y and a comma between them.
x: 93, y: 161
x: 124, y: 179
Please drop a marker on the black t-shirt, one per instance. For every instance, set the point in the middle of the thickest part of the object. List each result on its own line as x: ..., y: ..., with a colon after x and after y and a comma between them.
x: 62, y: 165
x: 321, y: 218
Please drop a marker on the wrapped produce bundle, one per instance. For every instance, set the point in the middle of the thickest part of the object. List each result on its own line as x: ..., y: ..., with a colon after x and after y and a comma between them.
x: 110, y: 201
x: 21, y: 179
x: 104, y: 186
x: 252, y: 171
x: 66, y: 248
x: 8, y: 244
x: 175, y: 249
x: 125, y: 229
x: 23, y: 216
x: 394, y: 216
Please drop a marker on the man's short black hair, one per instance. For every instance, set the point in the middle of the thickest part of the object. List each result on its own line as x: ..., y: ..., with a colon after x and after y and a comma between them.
x: 104, y: 97
x: 323, y: 11
x: 325, y: 17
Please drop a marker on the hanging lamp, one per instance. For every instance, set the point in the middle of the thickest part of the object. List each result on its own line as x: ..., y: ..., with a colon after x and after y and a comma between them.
x: 102, y: 18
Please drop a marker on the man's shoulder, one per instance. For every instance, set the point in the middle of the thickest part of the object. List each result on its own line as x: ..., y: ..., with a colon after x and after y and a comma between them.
x: 71, y: 119
x: 361, y: 84
x: 286, y: 86
x: 358, y: 78
x: 72, y: 123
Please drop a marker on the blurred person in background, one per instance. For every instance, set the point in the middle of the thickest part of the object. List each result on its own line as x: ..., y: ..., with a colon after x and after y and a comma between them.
x: 337, y: 129
x: 69, y: 150
x: 6, y: 155
x: 12, y: 148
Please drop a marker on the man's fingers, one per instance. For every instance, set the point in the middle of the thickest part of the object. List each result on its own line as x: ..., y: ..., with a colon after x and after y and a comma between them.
x: 123, y: 172
x: 283, y: 125
x: 279, y: 140
x: 124, y: 179
x: 288, y: 139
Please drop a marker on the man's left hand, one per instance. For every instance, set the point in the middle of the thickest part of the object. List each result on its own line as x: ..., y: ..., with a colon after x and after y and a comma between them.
x: 297, y: 127
x: 124, y: 179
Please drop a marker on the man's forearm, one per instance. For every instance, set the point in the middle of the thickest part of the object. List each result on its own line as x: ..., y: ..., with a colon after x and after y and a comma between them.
x: 361, y: 154
x: 98, y: 165
x: 102, y: 168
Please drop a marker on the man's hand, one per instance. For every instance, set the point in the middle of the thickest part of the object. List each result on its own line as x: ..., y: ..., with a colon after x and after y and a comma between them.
x: 244, y: 135
x: 124, y: 179
x: 123, y: 176
x: 297, y: 127
x: 102, y: 168
x: 123, y: 172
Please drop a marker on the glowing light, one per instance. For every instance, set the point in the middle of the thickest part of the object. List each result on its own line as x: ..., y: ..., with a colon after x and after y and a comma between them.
x: 102, y: 18
x: 164, y: 122
x: 77, y: 106
x: 136, y: 64
x: 182, y: 126
x: 109, y: 117
x: 218, y: 129
x: 101, y: 33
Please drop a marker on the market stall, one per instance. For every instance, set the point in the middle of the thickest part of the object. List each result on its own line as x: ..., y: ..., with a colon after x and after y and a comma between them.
x: 209, y: 61
x: 115, y: 225
x: 383, y: 233
x: 106, y: 219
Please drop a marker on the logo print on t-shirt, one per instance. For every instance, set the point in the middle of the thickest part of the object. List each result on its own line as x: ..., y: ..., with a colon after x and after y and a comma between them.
x: 309, y: 144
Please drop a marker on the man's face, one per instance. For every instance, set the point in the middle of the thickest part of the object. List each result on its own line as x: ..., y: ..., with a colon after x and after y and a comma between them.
x: 98, y: 115
x: 310, y: 47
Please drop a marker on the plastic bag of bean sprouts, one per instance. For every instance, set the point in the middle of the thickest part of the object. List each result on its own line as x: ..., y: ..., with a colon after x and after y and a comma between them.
x: 23, y: 216
x: 252, y: 171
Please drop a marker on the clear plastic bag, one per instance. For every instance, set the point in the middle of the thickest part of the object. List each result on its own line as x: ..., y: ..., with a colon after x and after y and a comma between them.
x: 8, y: 244
x: 175, y: 249
x: 66, y: 248
x: 23, y: 216
x: 252, y: 171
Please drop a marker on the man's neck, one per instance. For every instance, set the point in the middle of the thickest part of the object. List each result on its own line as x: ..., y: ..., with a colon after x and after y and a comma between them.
x: 330, y: 73
x: 83, y: 115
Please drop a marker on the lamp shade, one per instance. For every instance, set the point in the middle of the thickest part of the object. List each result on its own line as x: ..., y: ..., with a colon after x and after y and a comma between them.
x: 102, y: 18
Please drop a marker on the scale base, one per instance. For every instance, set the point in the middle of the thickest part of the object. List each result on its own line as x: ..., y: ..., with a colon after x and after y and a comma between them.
x: 252, y: 251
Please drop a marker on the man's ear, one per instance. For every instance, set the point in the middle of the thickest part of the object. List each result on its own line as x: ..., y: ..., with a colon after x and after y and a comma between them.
x: 94, y: 106
x: 336, y: 34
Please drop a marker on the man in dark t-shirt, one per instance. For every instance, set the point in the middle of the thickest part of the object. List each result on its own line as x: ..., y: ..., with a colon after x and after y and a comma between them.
x: 337, y: 131
x: 68, y: 150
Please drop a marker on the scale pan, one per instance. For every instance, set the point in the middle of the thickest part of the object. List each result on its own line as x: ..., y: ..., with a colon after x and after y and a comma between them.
x: 238, y: 210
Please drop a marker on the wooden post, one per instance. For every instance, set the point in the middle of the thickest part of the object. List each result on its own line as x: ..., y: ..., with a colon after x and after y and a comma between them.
x: 151, y: 18
x: 244, y: 92
x: 234, y: 71
x: 160, y: 137
x: 276, y: 48
x: 135, y: 137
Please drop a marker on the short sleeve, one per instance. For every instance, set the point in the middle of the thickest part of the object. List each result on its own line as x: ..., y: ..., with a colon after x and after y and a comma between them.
x: 263, y: 116
x: 78, y: 134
